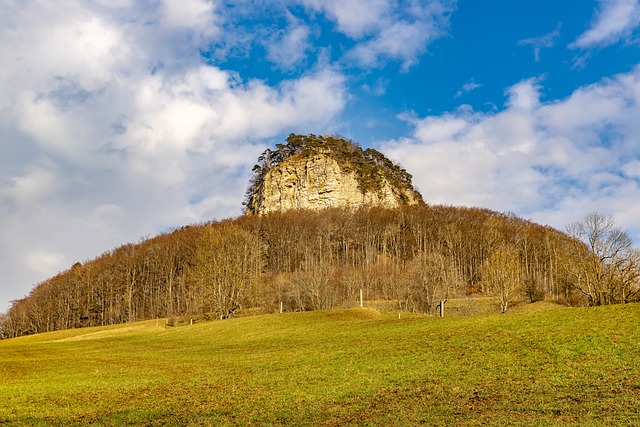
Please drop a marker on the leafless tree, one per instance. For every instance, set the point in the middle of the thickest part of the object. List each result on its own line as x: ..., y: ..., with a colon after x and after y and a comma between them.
x: 414, y: 256
x: 4, y: 333
x: 227, y: 259
x: 605, y: 264
x: 502, y: 274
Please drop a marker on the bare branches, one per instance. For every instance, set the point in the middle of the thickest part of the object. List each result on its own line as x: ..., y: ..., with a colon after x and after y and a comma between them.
x: 413, y: 257
x: 503, y: 274
x: 609, y: 271
x: 227, y: 260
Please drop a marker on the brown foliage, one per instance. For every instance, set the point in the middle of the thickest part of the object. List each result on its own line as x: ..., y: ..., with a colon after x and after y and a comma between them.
x: 302, y: 260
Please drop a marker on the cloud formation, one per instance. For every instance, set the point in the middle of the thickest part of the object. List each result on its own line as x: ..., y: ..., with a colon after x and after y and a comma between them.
x: 386, y: 29
x: 538, y: 43
x: 468, y: 87
x: 615, y: 20
x: 288, y: 48
x: 551, y: 161
x: 113, y: 127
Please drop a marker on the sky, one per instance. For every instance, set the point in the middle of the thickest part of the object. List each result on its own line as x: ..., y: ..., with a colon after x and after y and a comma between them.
x: 123, y: 119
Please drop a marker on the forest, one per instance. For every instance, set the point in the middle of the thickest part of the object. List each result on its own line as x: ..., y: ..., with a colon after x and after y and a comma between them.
x: 414, y: 258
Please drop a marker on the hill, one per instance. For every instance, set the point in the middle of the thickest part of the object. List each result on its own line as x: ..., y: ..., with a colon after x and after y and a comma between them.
x: 356, y: 367
x: 410, y: 259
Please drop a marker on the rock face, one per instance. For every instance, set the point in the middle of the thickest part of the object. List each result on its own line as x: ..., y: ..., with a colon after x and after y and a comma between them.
x: 316, y: 175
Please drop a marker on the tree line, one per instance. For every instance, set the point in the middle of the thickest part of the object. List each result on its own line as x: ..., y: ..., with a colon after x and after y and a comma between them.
x: 414, y: 257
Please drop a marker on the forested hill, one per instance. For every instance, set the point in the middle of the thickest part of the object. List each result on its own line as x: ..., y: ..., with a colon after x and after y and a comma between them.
x: 305, y: 260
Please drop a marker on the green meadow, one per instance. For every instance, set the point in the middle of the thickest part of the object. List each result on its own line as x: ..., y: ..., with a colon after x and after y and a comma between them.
x: 536, y: 366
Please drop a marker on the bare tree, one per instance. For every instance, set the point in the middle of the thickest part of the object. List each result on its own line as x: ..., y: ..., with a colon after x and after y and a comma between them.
x: 608, y: 273
x: 4, y: 333
x: 227, y: 260
x: 312, y: 260
x: 502, y: 275
x: 434, y: 278
x: 629, y: 273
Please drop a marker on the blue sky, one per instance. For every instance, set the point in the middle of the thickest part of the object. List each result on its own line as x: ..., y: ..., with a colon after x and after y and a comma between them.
x: 124, y: 118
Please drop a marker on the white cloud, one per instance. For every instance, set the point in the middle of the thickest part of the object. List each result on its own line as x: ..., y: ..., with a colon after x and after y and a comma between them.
x: 289, y: 48
x: 398, y: 41
x: 538, y: 43
x: 468, y: 87
x: 107, y: 212
x: 30, y: 188
x: 375, y: 31
x: 631, y: 169
x: 44, y: 262
x: 378, y: 88
x: 192, y: 14
x: 385, y: 29
x: 524, y: 95
x: 355, y: 18
x: 614, y: 20
x: 552, y: 162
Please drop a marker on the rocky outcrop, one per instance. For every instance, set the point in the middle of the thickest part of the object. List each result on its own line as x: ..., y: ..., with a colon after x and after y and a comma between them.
x: 323, y: 177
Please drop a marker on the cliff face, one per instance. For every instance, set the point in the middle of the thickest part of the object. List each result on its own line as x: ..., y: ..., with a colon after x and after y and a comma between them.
x: 320, y: 178
x: 318, y: 182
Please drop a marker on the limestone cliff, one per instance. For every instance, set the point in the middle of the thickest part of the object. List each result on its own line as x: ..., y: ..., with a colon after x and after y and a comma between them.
x: 311, y: 172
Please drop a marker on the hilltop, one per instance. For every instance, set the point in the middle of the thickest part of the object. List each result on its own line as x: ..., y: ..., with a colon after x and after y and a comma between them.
x: 317, y: 172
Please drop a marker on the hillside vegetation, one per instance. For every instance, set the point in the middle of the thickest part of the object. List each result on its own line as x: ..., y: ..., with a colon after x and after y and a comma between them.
x: 412, y: 258
x: 408, y: 259
x: 567, y: 367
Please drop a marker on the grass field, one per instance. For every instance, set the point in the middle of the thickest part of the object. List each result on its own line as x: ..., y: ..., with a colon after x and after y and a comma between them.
x: 532, y: 367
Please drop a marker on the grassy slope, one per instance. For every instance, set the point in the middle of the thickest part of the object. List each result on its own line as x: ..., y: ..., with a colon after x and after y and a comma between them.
x: 355, y: 367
